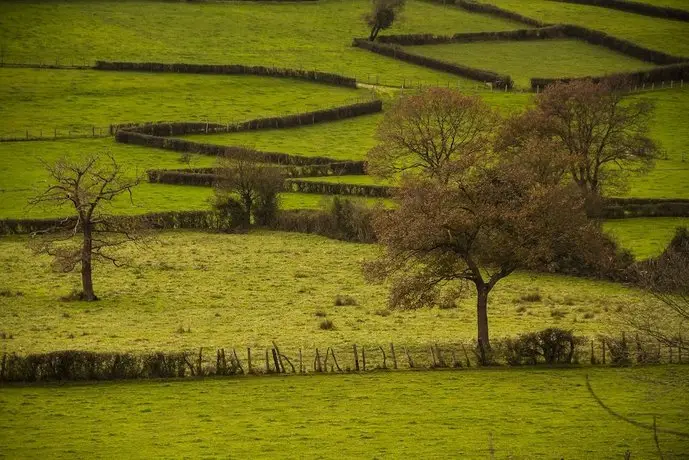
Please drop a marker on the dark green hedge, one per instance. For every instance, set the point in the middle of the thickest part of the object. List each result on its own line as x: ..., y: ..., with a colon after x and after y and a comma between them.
x: 543, y: 33
x: 332, y: 188
x: 637, y: 7
x: 656, y: 75
x: 620, y: 208
x: 285, y: 121
x: 498, y: 81
x: 232, y: 69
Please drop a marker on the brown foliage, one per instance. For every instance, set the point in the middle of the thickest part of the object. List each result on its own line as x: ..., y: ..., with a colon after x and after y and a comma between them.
x: 429, y: 131
x: 600, y: 137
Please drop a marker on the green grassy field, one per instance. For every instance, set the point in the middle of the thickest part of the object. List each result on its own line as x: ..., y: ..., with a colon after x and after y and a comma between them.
x: 309, y: 35
x: 647, y: 31
x: 645, y: 237
x: 45, y: 100
x: 515, y: 413
x: 244, y: 290
x: 527, y: 59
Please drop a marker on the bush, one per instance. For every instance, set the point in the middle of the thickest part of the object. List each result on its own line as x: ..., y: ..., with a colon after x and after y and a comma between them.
x: 345, y: 300
x: 326, y: 325
x: 618, y: 350
x: 549, y: 346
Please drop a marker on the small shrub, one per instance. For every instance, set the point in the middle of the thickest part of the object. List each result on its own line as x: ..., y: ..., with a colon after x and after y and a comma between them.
x: 557, y: 314
x: 568, y: 301
x: 326, y: 325
x: 521, y: 309
x: 382, y: 312
x: 5, y: 293
x: 345, y: 300
x: 552, y: 346
x: 447, y: 304
x: 320, y: 314
x: 589, y: 315
x: 66, y: 315
x: 181, y: 330
x: 531, y: 297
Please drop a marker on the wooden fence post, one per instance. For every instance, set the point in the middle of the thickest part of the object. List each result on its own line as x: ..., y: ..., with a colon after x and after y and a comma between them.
x: 385, y: 365
x: 411, y: 361
x: 301, y: 363
x: 356, y: 358
x: 248, y: 354
x: 267, y: 363
x: 363, y: 357
x: 276, y: 361
x: 394, y: 357
x: 236, y: 359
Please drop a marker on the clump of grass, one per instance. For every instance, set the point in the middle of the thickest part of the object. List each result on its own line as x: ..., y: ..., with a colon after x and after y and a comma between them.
x: 558, y: 314
x: 521, y: 309
x: 326, y: 325
x: 568, y: 301
x: 382, y: 312
x: 345, y: 300
x: 4, y: 335
x: 531, y: 297
x: 181, y: 330
x: 5, y: 293
x: 66, y: 315
x: 320, y: 314
x: 589, y: 315
x: 447, y: 304
x: 300, y: 275
x: 76, y: 294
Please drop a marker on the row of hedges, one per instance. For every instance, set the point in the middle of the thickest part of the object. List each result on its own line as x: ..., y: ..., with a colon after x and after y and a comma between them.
x: 668, y: 73
x: 285, y: 121
x: 238, y: 152
x: 552, y: 346
x: 639, y: 209
x: 497, y: 80
x: 206, y: 176
x: 543, y: 33
x: 332, y: 188
x: 637, y: 7
x: 232, y: 69
x: 159, y: 221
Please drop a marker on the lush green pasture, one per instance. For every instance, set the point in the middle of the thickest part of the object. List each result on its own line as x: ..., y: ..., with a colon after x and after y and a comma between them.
x: 348, y: 139
x: 244, y: 290
x: 45, y: 100
x: 645, y: 237
x: 656, y: 33
x: 505, y: 413
x: 669, y: 126
x: 523, y: 60
x: 309, y: 35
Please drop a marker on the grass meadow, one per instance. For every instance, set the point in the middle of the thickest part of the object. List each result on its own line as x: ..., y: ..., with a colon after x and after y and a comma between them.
x: 515, y: 413
x: 314, y: 35
x: 42, y: 100
x: 523, y: 60
x: 245, y: 290
x: 660, y: 34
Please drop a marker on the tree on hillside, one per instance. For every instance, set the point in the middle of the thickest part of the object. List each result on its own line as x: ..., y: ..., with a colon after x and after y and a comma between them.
x: 476, y: 220
x: 603, y: 136
x: 428, y: 131
x: 87, y: 186
x: 244, y: 189
x: 383, y: 14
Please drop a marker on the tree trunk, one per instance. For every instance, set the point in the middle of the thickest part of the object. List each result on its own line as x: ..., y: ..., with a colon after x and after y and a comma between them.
x: 374, y: 33
x: 86, y: 280
x: 482, y: 291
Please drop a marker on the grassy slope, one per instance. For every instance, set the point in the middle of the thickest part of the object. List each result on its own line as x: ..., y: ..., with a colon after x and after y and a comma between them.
x: 244, y: 290
x: 528, y: 413
x: 645, y: 237
x: 527, y: 59
x: 644, y: 30
x: 58, y: 99
x: 316, y: 35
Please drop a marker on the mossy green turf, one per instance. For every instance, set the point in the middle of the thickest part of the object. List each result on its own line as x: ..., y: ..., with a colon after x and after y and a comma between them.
x: 314, y: 35
x: 244, y: 290
x: 645, y: 237
x: 660, y: 34
x: 515, y: 413
x: 42, y: 100
x: 540, y: 58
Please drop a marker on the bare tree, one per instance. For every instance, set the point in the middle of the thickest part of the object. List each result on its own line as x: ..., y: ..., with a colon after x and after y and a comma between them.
x: 604, y: 137
x: 88, y: 186
x: 667, y: 278
x: 429, y: 131
x: 489, y: 218
x: 254, y: 187
x: 383, y: 14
